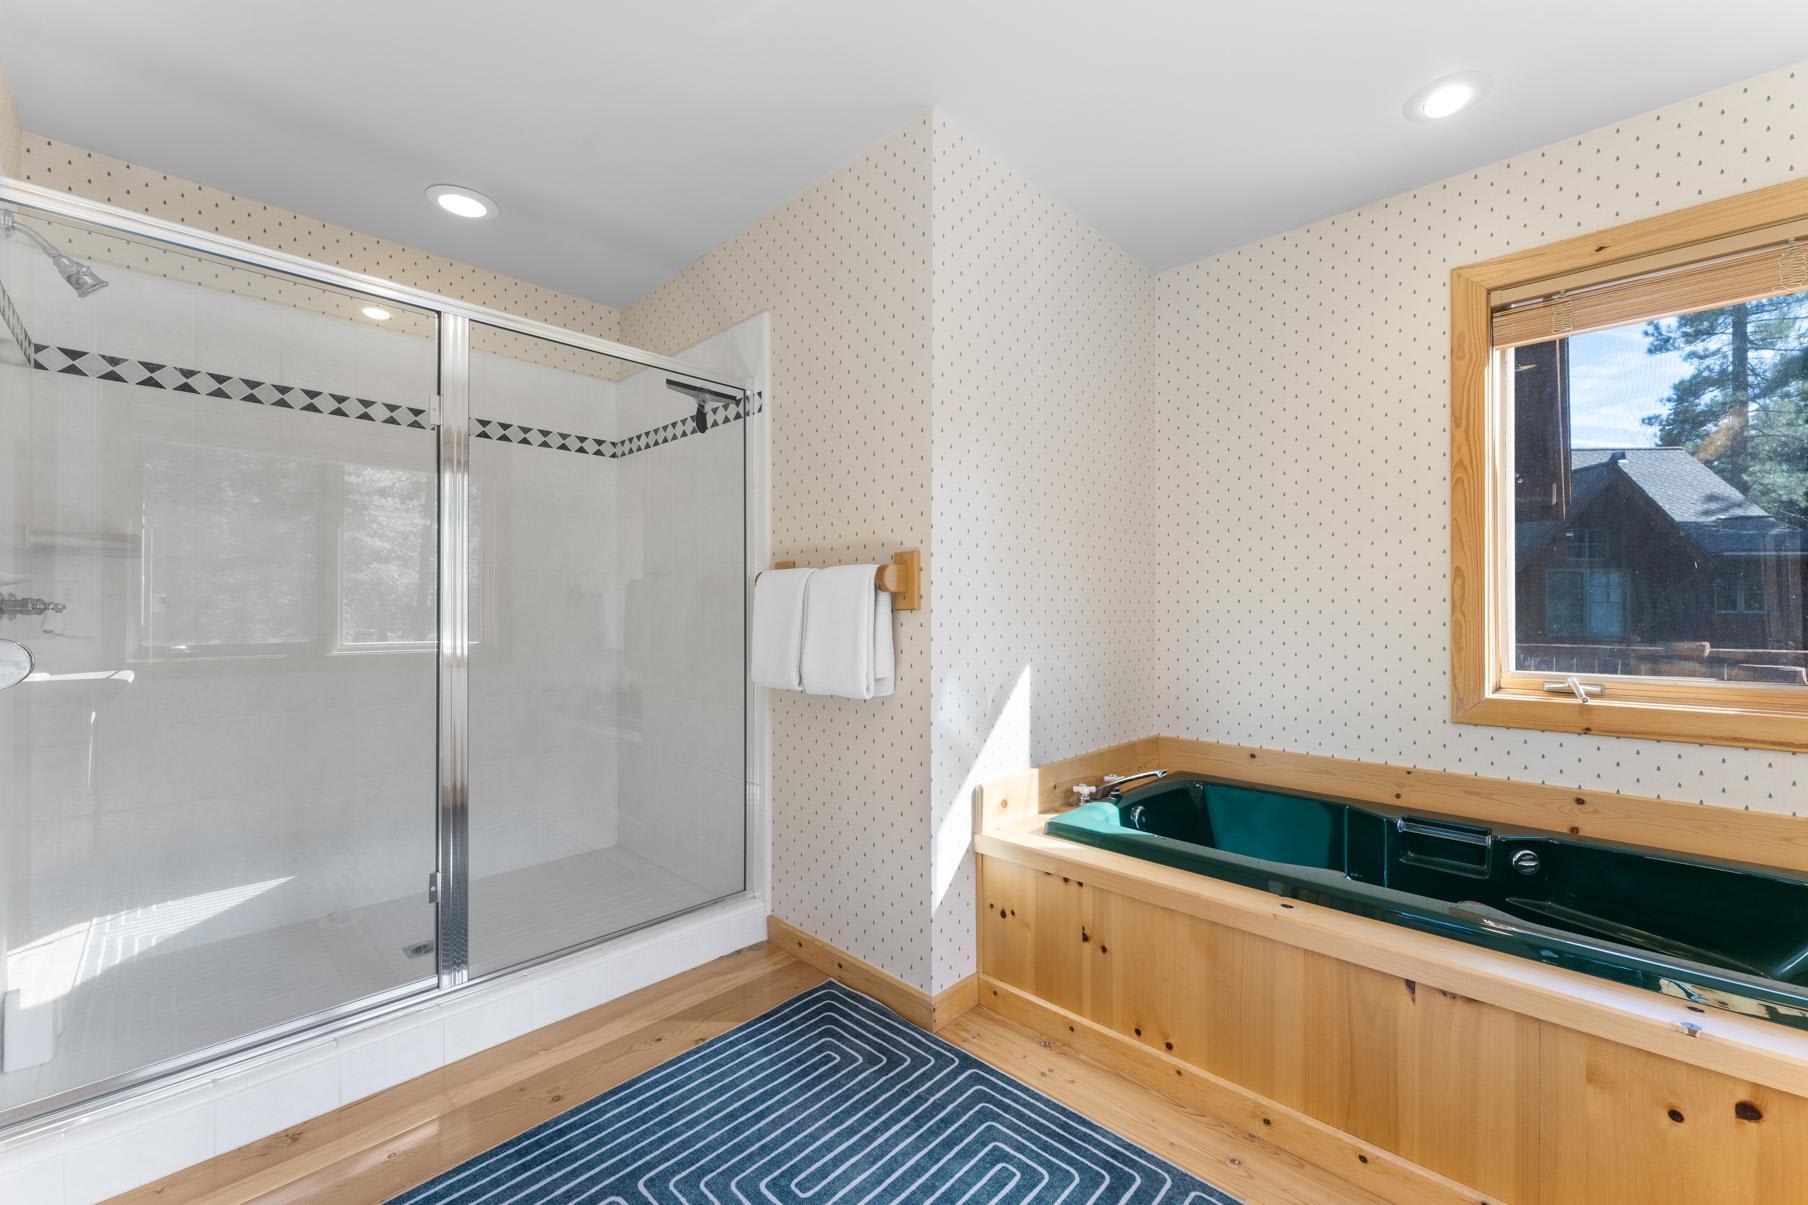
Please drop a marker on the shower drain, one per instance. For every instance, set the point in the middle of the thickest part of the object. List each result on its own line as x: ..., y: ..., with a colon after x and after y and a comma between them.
x: 419, y: 949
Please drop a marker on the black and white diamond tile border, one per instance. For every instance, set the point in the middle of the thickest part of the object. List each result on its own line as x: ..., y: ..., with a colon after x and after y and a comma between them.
x: 540, y: 437
x: 15, y: 324
x: 828, y: 1097
x: 715, y: 415
x: 152, y: 375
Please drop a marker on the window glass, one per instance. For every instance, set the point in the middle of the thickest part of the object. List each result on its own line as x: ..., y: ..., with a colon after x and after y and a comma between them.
x: 1660, y: 497
x: 388, y: 556
x: 231, y: 550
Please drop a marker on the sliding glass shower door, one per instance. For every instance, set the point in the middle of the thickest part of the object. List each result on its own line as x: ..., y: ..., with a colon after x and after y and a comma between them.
x: 349, y: 648
x: 218, y: 652
x: 606, y: 681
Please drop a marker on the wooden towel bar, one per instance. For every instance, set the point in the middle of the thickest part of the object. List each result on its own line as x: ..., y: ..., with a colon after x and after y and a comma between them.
x: 902, y: 579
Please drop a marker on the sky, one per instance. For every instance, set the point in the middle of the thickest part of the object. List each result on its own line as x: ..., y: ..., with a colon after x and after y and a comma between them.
x: 1614, y: 383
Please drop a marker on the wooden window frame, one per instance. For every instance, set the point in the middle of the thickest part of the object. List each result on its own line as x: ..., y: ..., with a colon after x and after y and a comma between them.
x: 1484, y: 688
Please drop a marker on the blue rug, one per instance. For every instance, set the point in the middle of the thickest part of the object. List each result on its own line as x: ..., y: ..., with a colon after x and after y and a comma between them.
x: 828, y: 1097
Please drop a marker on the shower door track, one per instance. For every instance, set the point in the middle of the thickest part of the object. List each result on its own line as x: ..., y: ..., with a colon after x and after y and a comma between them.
x: 449, y: 885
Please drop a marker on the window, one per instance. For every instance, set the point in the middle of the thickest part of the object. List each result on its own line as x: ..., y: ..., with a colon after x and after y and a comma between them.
x: 1739, y: 591
x: 1585, y: 604
x: 231, y: 549
x: 1630, y: 479
x: 388, y: 558
x: 1588, y: 544
x: 241, y: 548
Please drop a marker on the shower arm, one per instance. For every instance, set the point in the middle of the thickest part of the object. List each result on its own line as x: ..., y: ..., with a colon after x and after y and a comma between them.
x: 10, y: 224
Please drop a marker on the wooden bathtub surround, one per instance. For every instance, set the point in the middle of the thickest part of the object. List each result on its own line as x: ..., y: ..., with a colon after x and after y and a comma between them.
x: 1310, y: 1141
x: 915, y: 1005
x: 1521, y: 1081
x: 1711, y: 1038
x: 1516, y: 1107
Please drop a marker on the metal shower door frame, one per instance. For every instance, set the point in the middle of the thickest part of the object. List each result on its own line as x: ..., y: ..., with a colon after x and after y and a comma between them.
x: 449, y: 884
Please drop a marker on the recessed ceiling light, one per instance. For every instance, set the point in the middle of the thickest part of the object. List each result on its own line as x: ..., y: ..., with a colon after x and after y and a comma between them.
x: 377, y: 313
x: 462, y: 202
x: 1449, y: 95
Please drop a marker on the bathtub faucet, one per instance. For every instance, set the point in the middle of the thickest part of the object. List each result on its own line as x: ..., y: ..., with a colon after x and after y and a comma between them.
x: 1113, y: 785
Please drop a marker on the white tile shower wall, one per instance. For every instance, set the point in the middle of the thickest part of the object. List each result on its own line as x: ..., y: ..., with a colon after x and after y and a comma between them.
x: 221, y: 799
x: 844, y: 271
x: 681, y: 524
x: 1304, y: 505
x: 169, y: 787
x: 132, y: 1143
x: 545, y: 667
x: 1043, y: 510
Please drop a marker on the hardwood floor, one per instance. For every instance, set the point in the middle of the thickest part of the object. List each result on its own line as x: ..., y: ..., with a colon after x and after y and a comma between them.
x: 379, y: 1146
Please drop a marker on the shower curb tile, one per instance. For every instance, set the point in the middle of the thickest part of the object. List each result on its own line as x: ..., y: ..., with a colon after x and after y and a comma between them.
x: 569, y: 995
x: 371, y: 1062
x: 41, y: 1180
x: 476, y: 1027
x: 138, y: 1151
x: 267, y: 1104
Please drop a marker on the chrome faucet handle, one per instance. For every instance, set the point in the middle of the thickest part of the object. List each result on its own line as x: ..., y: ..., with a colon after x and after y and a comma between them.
x: 1115, y: 780
x: 1085, y: 791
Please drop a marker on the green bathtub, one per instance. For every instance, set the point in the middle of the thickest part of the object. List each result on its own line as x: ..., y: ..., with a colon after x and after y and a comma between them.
x: 1714, y: 934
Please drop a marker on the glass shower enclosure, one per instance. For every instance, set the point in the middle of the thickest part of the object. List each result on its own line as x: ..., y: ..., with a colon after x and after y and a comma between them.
x: 355, y: 643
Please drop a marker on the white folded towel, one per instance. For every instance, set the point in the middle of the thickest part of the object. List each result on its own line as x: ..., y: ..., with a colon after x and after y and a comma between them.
x: 847, y: 634
x: 775, y: 653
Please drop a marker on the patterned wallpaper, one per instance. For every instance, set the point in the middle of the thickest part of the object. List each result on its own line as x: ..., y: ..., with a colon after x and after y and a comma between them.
x: 1044, y: 515
x: 70, y: 169
x: 1304, y: 505
x: 951, y: 351
x: 844, y: 270
x: 12, y: 135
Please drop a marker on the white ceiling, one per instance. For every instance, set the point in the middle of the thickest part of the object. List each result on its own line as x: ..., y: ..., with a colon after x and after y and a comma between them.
x: 622, y: 141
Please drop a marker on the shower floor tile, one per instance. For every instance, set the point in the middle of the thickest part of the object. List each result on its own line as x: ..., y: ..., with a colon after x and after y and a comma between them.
x: 129, y: 1011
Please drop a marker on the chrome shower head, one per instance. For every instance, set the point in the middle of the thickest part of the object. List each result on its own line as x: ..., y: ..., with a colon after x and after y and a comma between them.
x: 77, y: 275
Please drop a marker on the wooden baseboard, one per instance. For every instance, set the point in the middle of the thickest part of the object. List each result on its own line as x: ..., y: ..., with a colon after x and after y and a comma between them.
x: 912, y: 1003
x: 1387, y: 1175
x: 951, y: 1002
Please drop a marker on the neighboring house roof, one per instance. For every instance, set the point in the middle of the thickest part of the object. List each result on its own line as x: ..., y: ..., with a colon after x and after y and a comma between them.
x: 1717, y: 518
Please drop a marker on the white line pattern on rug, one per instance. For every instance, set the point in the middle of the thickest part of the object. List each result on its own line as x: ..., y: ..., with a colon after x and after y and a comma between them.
x: 828, y: 1097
